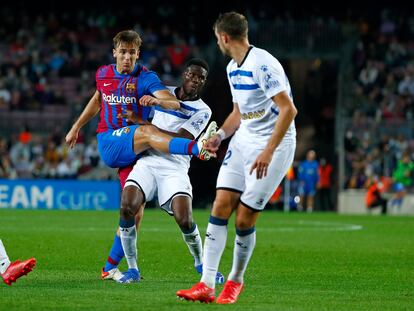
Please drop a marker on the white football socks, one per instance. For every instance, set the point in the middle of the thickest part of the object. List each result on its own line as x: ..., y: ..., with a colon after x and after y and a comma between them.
x: 243, y: 250
x: 214, y: 244
x: 4, y: 259
x: 129, y: 244
x: 194, y: 243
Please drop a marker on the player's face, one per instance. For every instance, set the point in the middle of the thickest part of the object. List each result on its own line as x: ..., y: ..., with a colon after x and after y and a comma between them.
x: 126, y: 55
x: 194, y: 78
x: 221, y: 38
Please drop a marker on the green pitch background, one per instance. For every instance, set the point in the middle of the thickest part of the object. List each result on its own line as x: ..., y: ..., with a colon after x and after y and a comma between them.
x: 301, y: 262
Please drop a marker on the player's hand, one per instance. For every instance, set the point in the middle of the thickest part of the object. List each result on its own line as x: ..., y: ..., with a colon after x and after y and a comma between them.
x: 130, y: 116
x: 72, y: 137
x: 148, y: 101
x: 261, y: 164
x: 213, y: 143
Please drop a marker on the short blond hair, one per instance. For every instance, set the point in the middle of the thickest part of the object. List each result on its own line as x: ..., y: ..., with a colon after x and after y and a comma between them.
x: 127, y: 36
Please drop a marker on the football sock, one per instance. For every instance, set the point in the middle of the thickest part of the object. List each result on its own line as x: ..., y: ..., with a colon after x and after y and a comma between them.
x: 4, y: 259
x: 193, y: 240
x: 183, y: 146
x: 115, y: 255
x: 128, y: 235
x: 243, y: 249
x: 214, y: 244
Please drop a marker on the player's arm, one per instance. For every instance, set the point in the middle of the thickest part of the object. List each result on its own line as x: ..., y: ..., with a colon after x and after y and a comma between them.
x: 287, y: 112
x: 162, y: 98
x: 230, y: 125
x: 131, y: 116
x: 91, y: 109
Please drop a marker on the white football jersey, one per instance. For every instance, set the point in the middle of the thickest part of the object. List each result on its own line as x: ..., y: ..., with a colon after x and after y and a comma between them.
x: 193, y: 116
x: 253, y: 84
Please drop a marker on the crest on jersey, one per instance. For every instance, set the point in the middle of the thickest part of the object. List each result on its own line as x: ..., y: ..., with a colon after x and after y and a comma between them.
x: 130, y: 87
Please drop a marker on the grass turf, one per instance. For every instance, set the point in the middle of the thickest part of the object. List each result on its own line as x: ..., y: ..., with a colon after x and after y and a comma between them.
x: 301, y: 262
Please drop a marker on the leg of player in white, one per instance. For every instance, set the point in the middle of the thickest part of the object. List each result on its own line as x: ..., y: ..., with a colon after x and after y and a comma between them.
x: 4, y: 259
x: 240, y: 191
x: 181, y: 209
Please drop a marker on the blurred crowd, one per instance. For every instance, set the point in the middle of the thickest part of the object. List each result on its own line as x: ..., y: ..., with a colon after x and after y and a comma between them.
x: 49, y: 58
x: 380, y: 135
x: 29, y: 155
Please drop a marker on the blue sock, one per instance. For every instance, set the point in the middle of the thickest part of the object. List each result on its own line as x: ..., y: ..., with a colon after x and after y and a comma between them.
x: 115, y: 255
x: 183, y: 146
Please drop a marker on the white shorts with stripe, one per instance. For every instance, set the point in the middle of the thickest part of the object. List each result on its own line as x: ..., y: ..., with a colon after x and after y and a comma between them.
x: 234, y: 172
x: 164, y: 182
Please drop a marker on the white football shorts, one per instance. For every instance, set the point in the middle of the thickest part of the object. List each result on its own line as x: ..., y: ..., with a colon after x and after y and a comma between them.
x: 164, y: 182
x: 234, y: 172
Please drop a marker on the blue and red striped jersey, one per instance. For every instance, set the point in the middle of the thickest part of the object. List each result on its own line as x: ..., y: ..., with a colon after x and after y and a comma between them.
x: 122, y: 92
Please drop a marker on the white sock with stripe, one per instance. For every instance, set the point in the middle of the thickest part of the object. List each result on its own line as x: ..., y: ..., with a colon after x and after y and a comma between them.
x: 195, y: 245
x: 129, y: 244
x: 244, y: 244
x: 214, y: 244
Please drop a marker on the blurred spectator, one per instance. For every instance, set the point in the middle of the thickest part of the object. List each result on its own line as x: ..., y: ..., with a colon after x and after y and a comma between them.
x: 308, y: 179
x: 373, y: 197
x: 325, y: 185
x: 25, y: 135
x: 404, y: 173
x: 403, y: 179
x: 5, y: 96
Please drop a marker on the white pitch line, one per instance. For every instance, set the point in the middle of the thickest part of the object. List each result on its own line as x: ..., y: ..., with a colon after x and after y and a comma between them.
x: 303, y: 225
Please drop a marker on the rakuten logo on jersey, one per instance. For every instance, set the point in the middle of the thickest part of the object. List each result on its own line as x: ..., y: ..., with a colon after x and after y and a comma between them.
x: 117, y: 100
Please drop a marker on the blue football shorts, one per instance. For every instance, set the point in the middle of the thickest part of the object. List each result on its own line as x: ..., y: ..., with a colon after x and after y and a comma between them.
x: 116, y: 147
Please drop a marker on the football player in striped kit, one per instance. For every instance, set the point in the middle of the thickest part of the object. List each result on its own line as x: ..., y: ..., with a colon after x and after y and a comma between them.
x: 259, y: 155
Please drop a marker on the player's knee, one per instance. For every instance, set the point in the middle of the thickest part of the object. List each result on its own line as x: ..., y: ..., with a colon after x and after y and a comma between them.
x: 128, y: 208
x: 222, y: 207
x: 185, y: 223
x: 244, y: 224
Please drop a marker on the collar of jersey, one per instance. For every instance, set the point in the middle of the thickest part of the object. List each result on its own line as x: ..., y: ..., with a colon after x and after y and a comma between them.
x: 245, y: 56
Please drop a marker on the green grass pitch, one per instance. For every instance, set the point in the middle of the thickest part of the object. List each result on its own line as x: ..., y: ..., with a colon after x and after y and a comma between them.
x: 301, y: 262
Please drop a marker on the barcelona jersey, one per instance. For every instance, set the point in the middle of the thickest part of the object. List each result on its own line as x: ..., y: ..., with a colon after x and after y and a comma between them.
x: 122, y: 92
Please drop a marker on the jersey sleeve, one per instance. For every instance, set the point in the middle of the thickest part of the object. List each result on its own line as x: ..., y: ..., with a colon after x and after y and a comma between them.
x: 271, y: 76
x: 198, y: 121
x: 152, y: 82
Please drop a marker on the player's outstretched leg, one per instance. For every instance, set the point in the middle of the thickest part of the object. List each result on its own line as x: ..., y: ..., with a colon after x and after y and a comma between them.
x: 17, y: 269
x: 150, y: 137
x: 185, y: 146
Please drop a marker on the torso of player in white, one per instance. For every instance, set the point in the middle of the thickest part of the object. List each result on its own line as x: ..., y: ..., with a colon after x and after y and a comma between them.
x: 253, y: 84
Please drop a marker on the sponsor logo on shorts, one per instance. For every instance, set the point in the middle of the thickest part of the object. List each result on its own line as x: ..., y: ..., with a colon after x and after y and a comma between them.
x: 260, y: 201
